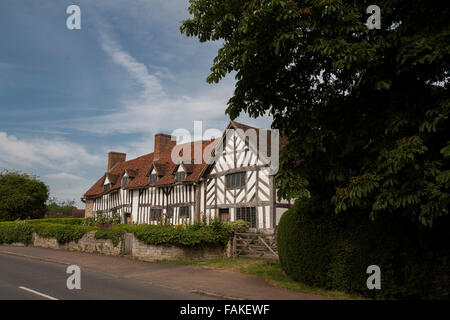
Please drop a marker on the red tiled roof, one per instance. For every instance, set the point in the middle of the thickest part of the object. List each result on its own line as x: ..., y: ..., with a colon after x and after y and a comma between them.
x: 140, y: 167
x: 193, y: 169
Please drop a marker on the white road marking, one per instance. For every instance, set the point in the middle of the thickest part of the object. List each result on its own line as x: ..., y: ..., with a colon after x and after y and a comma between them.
x: 38, y: 293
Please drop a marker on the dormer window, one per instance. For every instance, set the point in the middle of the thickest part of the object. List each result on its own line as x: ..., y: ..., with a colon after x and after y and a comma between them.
x: 106, y: 187
x: 106, y: 184
x: 125, y: 181
x: 153, y: 178
x: 180, y: 176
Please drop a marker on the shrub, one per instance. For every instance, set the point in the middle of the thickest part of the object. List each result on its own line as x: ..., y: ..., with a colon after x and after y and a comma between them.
x: 184, y: 237
x: 63, y: 233
x: 20, y: 231
x: 112, y: 233
x: 66, y: 230
x: 332, y: 251
x: 72, y: 221
x: 101, y: 219
x: 238, y: 225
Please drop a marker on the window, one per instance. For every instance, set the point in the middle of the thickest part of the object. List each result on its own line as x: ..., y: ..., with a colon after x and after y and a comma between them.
x: 235, y: 180
x: 106, y: 187
x: 170, y: 212
x: 180, y: 176
x: 153, y: 178
x: 184, y: 212
x: 155, y: 214
x: 247, y: 214
x: 124, y: 181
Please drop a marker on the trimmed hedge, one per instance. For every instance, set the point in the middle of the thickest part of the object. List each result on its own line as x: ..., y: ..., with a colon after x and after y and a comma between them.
x: 11, y: 232
x: 332, y: 251
x: 114, y: 233
x: 71, y: 221
x: 197, y: 234
x: 63, y: 233
x: 67, y: 230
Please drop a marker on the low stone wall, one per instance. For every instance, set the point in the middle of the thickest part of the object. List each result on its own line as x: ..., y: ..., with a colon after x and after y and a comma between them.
x: 132, y: 246
x: 87, y: 243
x: 147, y: 252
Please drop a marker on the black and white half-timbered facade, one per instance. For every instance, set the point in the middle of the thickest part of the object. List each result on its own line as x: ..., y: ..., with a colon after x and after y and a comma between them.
x: 231, y: 177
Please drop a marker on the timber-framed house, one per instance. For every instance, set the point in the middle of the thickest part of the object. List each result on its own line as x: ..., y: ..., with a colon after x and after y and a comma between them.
x: 228, y: 177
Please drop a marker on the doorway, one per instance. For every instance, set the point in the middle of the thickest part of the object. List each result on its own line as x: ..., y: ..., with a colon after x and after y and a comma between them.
x: 224, y: 214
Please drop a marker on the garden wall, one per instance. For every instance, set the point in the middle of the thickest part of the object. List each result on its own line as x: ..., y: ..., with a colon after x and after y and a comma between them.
x: 147, y: 252
x: 88, y: 243
x: 131, y: 246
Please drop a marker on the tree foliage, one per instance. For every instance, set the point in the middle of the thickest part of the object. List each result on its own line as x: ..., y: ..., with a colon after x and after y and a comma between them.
x: 21, y: 196
x: 366, y: 111
x: 58, y: 209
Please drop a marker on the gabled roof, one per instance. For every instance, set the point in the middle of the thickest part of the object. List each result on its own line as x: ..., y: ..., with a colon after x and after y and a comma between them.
x: 112, y: 178
x: 251, y: 144
x: 193, y: 170
x: 139, y: 169
x: 130, y: 172
x: 136, y: 165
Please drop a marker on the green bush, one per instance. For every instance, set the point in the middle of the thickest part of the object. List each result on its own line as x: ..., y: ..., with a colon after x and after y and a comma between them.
x: 178, y: 236
x: 20, y: 231
x: 101, y: 218
x: 72, y: 221
x: 332, y: 251
x: 115, y: 234
x: 63, y: 230
x: 73, y: 229
x: 63, y: 233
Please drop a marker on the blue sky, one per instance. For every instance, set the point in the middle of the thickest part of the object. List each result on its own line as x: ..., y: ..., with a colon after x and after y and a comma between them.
x: 68, y: 97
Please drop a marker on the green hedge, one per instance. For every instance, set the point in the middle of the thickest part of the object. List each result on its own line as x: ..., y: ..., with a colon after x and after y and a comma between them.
x: 11, y: 232
x: 197, y: 234
x: 114, y: 233
x: 67, y: 230
x: 71, y: 221
x: 63, y: 233
x: 334, y: 251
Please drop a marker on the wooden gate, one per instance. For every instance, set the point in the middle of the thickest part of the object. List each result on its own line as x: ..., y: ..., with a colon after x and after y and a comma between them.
x: 127, y: 244
x: 255, y: 245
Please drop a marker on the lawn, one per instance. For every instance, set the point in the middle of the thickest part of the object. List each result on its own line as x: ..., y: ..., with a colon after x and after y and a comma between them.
x: 268, y: 269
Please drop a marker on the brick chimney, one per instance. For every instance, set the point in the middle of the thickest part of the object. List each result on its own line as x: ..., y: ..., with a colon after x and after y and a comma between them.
x: 115, y: 158
x: 163, y: 142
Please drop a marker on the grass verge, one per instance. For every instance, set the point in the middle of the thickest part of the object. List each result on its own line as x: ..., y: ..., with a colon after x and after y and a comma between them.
x: 268, y: 269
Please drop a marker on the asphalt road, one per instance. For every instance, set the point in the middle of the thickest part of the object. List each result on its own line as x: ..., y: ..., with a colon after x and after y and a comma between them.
x: 24, y: 279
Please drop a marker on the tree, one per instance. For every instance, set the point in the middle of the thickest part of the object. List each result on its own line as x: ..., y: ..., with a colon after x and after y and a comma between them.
x: 58, y: 209
x: 21, y: 196
x: 366, y: 111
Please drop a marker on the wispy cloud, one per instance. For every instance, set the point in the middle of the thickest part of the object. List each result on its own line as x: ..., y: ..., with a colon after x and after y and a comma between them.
x: 152, y: 88
x: 70, y: 97
x: 151, y: 109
